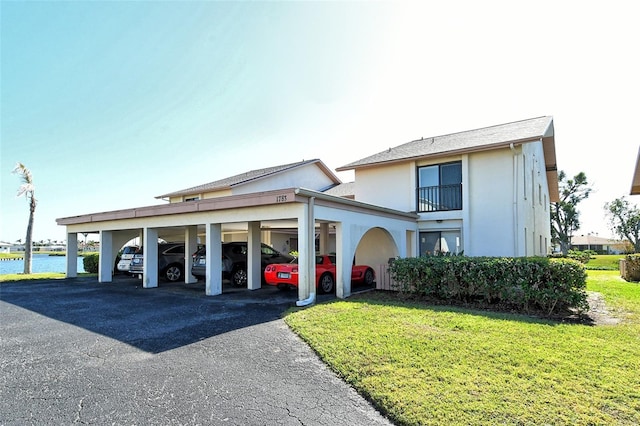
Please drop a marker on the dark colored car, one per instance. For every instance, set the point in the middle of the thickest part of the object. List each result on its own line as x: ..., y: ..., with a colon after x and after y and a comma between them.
x: 170, y: 261
x: 234, y: 261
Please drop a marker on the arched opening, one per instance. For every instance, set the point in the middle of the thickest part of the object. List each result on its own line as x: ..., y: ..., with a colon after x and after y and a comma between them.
x: 375, y: 249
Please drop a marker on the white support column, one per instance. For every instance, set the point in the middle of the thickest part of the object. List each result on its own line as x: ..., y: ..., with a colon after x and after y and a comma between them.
x: 213, y: 240
x: 150, y: 258
x: 72, y: 255
x: 190, y: 247
x: 324, y: 238
x: 105, y: 265
x: 304, y: 256
x: 344, y: 257
x: 265, y: 237
x: 254, y: 257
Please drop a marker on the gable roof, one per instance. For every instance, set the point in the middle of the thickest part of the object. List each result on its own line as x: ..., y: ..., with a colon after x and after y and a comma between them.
x: 345, y: 190
x: 250, y: 176
x: 483, y: 139
x: 462, y: 142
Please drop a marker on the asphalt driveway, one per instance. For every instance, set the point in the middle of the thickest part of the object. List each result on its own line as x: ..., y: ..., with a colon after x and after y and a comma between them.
x: 77, y: 351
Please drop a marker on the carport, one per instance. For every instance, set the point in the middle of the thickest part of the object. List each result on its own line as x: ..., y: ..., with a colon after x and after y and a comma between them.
x: 372, y: 234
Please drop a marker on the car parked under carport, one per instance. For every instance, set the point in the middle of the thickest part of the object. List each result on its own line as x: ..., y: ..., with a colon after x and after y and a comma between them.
x: 170, y: 261
x: 234, y: 261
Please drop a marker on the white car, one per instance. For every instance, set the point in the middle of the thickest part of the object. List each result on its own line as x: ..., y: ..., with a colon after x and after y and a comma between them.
x: 125, y: 258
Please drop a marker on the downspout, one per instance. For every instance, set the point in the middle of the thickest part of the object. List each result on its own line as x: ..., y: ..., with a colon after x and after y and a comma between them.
x: 311, y: 265
x: 515, y: 199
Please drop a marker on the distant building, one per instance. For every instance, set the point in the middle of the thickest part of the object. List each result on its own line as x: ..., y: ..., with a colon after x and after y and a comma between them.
x: 5, y: 247
x: 598, y: 244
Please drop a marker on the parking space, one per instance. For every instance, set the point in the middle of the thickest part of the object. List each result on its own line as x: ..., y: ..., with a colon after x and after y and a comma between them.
x: 265, y: 294
x: 79, y: 351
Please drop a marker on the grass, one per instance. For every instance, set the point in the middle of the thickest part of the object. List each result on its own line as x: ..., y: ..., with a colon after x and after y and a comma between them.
x: 608, y: 262
x: 39, y: 276
x: 11, y: 256
x: 433, y: 365
x: 623, y: 298
x: 50, y: 253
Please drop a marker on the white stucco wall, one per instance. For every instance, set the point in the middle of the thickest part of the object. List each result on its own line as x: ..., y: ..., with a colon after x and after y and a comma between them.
x: 391, y: 186
x: 535, y: 226
x: 491, y: 204
x: 501, y: 222
x: 505, y: 202
x: 375, y: 248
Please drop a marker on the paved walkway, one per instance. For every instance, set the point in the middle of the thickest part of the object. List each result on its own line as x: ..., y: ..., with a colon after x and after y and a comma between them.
x: 76, y: 351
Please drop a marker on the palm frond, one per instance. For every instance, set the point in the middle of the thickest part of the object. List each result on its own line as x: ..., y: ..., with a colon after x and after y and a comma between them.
x: 24, y: 173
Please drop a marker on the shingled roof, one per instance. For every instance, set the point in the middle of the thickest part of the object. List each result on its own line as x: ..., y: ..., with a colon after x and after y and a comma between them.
x: 242, y: 178
x: 463, y: 142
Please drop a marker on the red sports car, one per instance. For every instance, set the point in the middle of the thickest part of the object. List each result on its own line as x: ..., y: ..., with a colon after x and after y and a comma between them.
x: 285, y: 275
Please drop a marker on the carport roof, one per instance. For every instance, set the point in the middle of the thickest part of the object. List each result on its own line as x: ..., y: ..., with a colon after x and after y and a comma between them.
x: 281, y: 196
x: 250, y: 176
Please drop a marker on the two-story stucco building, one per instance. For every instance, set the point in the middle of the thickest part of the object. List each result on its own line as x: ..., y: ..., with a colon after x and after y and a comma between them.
x: 479, y: 192
x: 482, y: 192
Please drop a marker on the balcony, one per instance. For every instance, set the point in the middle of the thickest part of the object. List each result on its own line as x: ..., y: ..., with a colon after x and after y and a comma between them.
x: 439, y: 198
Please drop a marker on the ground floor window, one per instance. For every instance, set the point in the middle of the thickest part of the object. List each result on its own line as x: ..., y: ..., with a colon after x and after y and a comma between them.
x: 439, y: 242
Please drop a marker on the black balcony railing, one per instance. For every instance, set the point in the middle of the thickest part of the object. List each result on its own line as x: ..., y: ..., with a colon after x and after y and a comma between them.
x: 440, y: 198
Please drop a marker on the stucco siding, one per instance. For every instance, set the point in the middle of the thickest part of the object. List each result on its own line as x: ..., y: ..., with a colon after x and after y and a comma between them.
x: 533, y: 200
x: 215, y: 194
x: 491, y: 204
x: 392, y: 186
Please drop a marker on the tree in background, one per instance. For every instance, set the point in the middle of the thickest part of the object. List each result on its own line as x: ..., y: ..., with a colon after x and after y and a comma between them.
x: 28, y: 190
x: 565, y: 218
x: 624, y: 220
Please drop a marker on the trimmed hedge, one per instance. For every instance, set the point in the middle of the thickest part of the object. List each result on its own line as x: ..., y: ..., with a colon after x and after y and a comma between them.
x: 90, y: 263
x: 525, y: 284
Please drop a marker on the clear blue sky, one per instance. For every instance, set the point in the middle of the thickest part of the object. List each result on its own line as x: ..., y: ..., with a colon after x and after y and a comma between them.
x: 113, y: 103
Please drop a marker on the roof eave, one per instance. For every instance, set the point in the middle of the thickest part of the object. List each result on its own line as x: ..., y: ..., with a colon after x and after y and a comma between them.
x: 442, y: 154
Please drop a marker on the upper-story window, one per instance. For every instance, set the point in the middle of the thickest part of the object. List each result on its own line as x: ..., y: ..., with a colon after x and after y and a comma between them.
x: 440, y: 187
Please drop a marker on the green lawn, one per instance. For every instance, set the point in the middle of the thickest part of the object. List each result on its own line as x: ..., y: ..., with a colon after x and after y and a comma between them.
x: 39, y: 276
x: 11, y: 255
x: 20, y: 255
x: 434, y: 365
x: 609, y: 262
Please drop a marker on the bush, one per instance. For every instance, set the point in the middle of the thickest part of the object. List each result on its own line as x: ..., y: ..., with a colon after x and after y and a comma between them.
x: 581, y: 256
x: 90, y: 263
x: 631, y: 270
x: 523, y: 284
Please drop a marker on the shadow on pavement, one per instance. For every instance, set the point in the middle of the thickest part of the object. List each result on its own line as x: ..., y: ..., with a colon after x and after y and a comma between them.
x: 153, y: 320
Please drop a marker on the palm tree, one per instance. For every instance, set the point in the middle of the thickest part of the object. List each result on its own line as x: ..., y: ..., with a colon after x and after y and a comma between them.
x: 28, y: 190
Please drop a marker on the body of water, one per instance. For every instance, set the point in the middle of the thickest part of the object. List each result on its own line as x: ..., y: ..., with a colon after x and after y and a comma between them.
x: 39, y: 263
